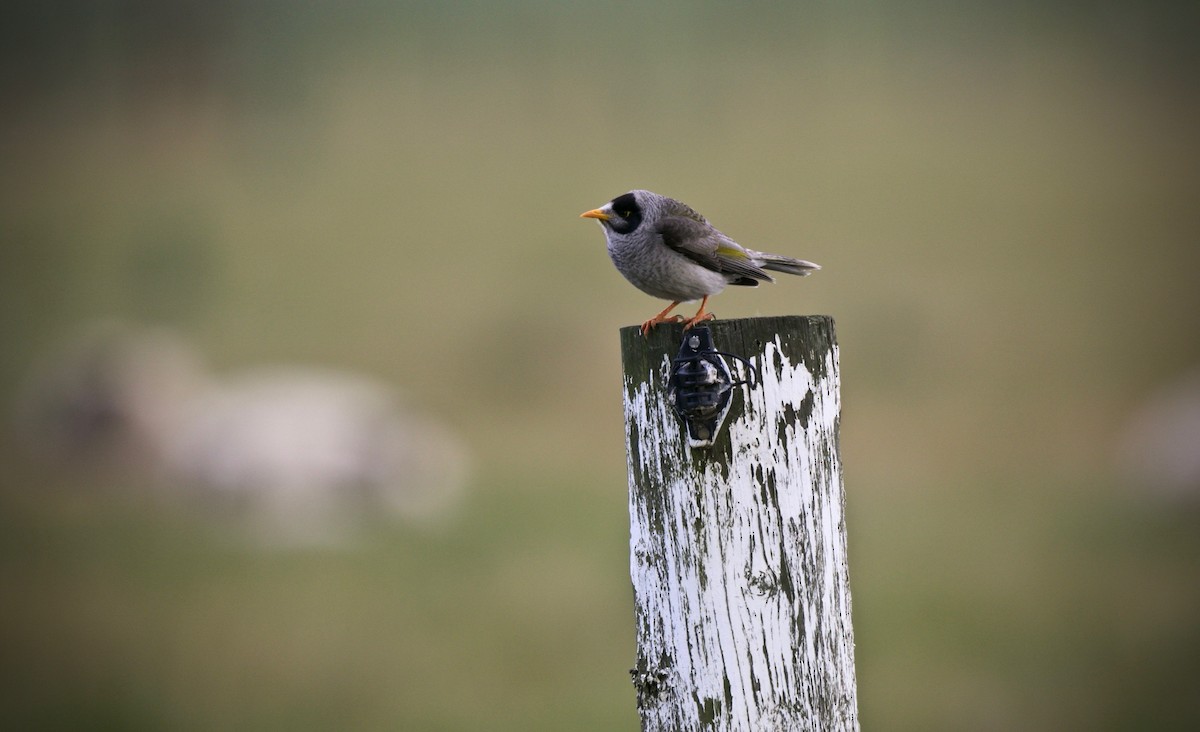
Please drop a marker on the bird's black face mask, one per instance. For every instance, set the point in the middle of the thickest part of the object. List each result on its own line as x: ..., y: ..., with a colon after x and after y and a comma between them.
x: 628, y: 212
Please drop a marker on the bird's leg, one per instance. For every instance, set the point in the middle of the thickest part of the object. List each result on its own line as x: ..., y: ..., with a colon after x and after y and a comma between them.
x: 700, y: 315
x: 662, y: 318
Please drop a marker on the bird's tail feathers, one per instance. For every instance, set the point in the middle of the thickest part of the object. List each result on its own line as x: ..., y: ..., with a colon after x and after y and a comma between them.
x: 780, y: 263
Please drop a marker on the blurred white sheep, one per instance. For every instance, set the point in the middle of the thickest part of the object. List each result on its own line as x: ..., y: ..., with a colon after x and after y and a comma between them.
x: 1158, y: 449
x: 303, y: 454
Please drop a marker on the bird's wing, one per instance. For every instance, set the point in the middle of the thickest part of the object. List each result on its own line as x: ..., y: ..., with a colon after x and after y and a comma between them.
x: 708, y: 247
x: 678, y: 208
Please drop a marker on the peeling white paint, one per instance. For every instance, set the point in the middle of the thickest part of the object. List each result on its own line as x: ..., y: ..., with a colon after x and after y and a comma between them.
x: 739, y: 565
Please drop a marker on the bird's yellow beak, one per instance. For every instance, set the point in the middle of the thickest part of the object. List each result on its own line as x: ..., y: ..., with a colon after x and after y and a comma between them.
x: 594, y: 214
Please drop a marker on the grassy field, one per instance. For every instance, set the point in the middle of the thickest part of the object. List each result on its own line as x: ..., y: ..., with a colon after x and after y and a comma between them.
x: 1004, y: 204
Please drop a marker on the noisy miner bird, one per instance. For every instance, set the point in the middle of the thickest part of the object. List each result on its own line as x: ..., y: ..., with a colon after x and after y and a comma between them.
x: 667, y: 250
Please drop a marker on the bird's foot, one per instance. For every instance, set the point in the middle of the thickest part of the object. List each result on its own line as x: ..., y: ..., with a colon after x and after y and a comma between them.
x: 649, y: 324
x: 698, y: 319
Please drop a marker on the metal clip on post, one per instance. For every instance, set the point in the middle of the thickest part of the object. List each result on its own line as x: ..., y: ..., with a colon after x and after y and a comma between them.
x: 700, y: 385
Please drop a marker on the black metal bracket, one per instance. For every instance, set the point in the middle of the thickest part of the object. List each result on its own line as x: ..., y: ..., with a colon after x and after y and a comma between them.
x: 700, y: 385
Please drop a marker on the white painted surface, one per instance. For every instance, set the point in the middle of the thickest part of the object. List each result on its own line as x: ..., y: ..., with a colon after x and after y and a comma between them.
x: 738, y: 559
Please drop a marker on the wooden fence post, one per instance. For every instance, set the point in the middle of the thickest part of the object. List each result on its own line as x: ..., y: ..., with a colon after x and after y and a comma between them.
x: 738, y: 550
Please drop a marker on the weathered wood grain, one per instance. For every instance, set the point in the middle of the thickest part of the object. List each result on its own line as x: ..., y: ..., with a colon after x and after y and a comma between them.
x: 738, y: 551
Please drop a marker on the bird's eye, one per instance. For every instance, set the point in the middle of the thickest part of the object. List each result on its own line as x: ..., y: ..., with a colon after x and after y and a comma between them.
x: 626, y: 212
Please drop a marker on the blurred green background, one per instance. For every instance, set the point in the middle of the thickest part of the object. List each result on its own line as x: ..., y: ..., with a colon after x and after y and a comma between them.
x: 1005, y: 198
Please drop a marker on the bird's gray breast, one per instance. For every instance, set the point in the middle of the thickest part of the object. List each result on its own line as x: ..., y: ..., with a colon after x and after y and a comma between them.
x: 660, y: 272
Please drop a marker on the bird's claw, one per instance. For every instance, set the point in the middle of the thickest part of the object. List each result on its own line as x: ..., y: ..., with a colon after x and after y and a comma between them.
x: 649, y: 324
x: 700, y: 318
